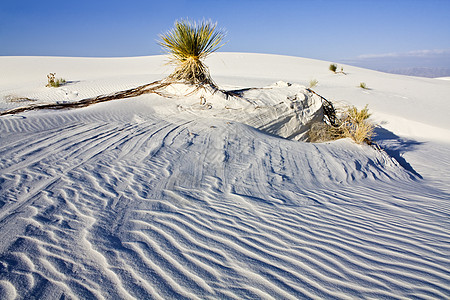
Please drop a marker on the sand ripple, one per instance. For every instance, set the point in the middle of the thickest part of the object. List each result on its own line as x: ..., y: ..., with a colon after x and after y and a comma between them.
x: 191, y: 209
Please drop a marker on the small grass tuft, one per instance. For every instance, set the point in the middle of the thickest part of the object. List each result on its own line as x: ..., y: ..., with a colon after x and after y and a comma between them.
x: 363, y: 85
x: 313, y: 83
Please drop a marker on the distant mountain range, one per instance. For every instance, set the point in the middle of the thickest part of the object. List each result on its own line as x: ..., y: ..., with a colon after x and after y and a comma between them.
x: 420, y: 72
x: 422, y: 63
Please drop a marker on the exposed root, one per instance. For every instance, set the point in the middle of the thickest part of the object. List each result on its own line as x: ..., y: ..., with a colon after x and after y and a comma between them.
x: 16, y: 99
x: 156, y: 87
x: 328, y: 109
x: 153, y: 87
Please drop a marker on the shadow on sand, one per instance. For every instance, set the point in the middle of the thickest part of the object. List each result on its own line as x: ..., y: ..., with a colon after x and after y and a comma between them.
x: 395, y: 146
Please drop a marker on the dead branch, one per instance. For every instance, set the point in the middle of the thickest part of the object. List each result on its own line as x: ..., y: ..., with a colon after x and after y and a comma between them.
x: 134, y: 92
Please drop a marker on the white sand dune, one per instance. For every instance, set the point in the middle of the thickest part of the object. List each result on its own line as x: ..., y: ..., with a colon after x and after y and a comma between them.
x: 156, y: 198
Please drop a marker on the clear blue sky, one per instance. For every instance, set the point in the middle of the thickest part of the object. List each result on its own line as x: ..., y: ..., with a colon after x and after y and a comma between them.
x: 329, y: 30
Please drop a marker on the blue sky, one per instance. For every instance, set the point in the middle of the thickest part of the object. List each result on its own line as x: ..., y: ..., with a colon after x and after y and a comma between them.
x: 338, y: 30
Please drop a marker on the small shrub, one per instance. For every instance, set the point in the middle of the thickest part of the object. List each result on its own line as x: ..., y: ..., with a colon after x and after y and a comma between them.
x: 352, y: 124
x: 313, y: 83
x: 54, y: 82
x: 333, y: 68
x: 363, y: 85
x: 356, y: 126
x: 357, y: 116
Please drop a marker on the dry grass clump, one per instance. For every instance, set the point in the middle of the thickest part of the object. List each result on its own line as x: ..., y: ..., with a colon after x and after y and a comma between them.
x: 323, y: 132
x: 356, y: 126
x: 187, y: 44
x: 313, y: 83
x: 54, y: 82
x: 352, y: 124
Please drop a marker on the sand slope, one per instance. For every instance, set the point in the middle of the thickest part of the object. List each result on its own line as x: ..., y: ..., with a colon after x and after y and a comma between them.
x: 139, y: 199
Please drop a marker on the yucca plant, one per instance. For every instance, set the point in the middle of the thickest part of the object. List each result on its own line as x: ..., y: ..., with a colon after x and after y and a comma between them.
x: 53, y: 81
x: 333, y: 68
x: 187, y: 44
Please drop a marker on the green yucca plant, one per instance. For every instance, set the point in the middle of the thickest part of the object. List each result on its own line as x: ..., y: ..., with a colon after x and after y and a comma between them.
x: 333, y: 68
x: 188, y: 43
x: 53, y: 81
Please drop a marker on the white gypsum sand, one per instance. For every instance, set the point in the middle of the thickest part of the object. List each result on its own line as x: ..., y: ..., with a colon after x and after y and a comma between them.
x: 175, y: 198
